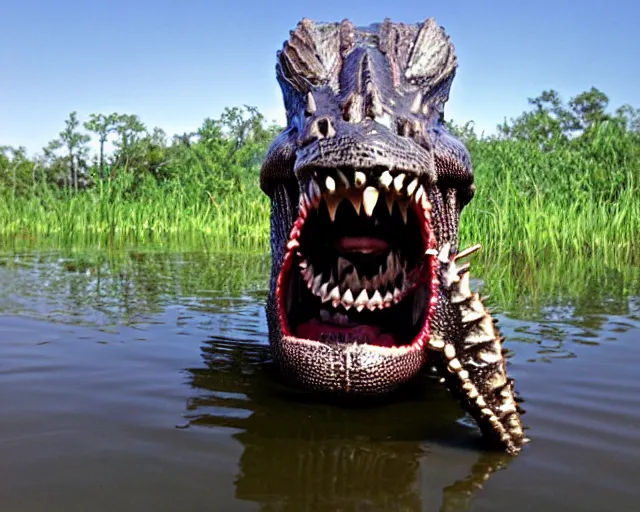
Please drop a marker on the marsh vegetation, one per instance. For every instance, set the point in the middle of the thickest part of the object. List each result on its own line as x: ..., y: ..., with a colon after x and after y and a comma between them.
x: 559, y: 181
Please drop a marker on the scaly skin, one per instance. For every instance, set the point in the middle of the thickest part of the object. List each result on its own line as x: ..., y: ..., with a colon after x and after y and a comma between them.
x: 370, y: 102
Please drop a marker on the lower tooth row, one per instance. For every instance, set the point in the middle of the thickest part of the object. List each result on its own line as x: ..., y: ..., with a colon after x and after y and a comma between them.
x: 346, y: 299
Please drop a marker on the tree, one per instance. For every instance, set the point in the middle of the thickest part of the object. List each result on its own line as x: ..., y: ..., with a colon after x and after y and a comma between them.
x: 588, y: 108
x: 551, y: 123
x: 76, y: 145
x: 130, y: 130
x: 103, y: 126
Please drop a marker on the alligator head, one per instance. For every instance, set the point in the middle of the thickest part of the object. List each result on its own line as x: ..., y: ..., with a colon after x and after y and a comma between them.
x: 366, y: 189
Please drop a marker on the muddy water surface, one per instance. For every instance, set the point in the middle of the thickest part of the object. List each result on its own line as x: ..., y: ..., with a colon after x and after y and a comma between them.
x: 141, y: 380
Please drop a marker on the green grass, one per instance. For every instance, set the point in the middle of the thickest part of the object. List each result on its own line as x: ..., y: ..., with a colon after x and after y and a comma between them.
x: 169, y: 217
x: 532, y: 206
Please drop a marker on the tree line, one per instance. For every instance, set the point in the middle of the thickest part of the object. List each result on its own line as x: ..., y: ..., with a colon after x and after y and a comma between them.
x: 225, y: 153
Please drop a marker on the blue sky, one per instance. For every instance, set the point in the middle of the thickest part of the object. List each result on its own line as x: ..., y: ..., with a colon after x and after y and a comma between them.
x: 175, y: 63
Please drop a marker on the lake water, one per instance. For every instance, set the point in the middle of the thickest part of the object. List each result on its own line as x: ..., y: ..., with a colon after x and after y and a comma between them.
x: 141, y: 380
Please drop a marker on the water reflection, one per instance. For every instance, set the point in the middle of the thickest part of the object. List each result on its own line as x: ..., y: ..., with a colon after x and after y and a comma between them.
x: 300, y: 453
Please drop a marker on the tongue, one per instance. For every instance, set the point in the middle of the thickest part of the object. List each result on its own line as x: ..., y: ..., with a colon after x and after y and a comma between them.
x: 330, y: 333
x: 363, y: 244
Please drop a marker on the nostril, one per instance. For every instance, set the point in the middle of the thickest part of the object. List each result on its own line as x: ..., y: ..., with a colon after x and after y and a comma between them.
x: 323, y: 127
x: 403, y: 127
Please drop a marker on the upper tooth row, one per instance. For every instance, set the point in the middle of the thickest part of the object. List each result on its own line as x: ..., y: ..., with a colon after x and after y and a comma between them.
x: 386, y: 181
x: 367, y: 197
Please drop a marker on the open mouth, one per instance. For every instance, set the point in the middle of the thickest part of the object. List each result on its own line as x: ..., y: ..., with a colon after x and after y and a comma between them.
x: 360, y: 263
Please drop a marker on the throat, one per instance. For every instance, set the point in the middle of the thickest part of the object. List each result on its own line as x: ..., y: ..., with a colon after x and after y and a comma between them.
x: 361, y: 244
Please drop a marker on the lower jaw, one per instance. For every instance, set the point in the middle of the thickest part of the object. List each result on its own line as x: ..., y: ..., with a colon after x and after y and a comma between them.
x: 315, y: 331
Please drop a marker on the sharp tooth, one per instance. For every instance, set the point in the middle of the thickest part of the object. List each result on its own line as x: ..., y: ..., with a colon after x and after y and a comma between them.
x: 404, y: 205
x: 352, y: 280
x: 385, y: 179
x: 303, y: 264
x: 316, y: 284
x: 391, y: 263
x: 330, y: 184
x: 324, y: 292
x: 359, y: 179
x: 396, y: 294
x: 308, y: 274
x: 356, y: 201
x: 343, y: 179
x: 419, y: 193
x: 347, y: 299
x: 443, y: 255
x: 361, y: 300
x: 334, y: 295
x: 431, y: 252
x: 397, y: 182
x: 342, y: 265
x: 388, y: 298
x: 370, y: 198
x: 375, y: 283
x: 332, y: 205
x: 412, y: 187
x: 375, y: 301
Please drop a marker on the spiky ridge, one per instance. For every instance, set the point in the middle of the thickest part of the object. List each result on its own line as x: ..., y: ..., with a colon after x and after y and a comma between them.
x: 472, y: 355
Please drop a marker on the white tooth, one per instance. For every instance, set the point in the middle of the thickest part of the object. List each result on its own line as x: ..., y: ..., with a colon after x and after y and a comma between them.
x: 443, y: 255
x: 332, y: 205
x: 396, y: 294
x: 386, y: 179
x: 302, y: 265
x: 404, y: 205
x: 324, y: 292
x: 330, y: 183
x: 376, y: 301
x: 388, y: 298
x: 419, y: 193
x: 431, y: 252
x: 347, y: 299
x: 361, y: 300
x: 293, y: 244
x: 412, y: 187
x: 316, y: 284
x: 370, y: 198
x: 308, y: 274
x: 334, y: 295
x: 343, y: 178
x: 359, y: 178
x: 356, y: 201
x: 397, y: 182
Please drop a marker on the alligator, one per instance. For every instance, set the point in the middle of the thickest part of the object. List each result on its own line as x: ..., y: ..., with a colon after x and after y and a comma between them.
x: 367, y: 285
